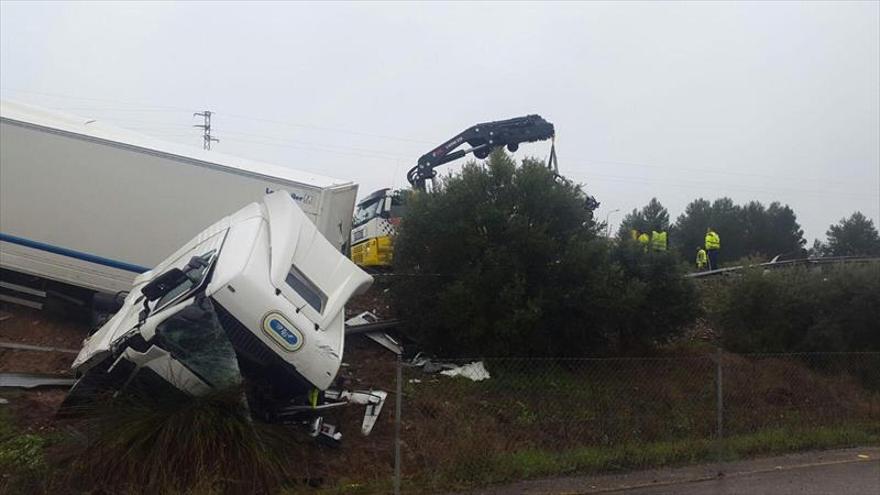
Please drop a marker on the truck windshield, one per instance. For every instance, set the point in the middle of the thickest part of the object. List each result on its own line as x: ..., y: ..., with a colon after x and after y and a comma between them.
x: 367, y: 211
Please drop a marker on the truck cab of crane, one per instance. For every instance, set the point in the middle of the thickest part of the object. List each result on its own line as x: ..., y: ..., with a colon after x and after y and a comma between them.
x: 375, y: 223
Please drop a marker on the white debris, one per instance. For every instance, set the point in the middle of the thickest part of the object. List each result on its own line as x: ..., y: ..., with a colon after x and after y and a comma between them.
x: 475, y: 371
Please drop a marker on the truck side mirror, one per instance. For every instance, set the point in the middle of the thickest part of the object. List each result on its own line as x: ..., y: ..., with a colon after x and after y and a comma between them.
x: 163, y: 284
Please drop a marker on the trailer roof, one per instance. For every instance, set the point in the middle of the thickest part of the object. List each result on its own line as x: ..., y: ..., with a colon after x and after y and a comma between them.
x: 93, y: 129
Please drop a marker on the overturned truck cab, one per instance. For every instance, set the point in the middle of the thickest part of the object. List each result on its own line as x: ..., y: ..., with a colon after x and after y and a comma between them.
x: 256, y: 300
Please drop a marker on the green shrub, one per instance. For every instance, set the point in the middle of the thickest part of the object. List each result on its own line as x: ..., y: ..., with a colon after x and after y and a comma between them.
x: 653, y: 300
x: 135, y: 444
x: 508, y: 261
x: 800, y: 310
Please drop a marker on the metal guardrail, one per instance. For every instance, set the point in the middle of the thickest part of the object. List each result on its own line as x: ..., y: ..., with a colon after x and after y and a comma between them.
x: 788, y: 264
x: 27, y: 347
x: 33, y: 380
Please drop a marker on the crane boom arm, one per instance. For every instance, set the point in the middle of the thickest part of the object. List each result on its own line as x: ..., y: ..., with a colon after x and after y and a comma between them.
x: 482, y: 139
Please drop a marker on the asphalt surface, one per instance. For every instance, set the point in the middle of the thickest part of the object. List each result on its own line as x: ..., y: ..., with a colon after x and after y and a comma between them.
x: 855, y: 478
x: 854, y: 471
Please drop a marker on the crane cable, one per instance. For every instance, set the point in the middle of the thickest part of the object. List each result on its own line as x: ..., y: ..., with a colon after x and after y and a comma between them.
x: 552, y: 162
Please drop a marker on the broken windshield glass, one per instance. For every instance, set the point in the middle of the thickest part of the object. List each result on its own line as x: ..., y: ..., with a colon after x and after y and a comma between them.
x: 195, y: 338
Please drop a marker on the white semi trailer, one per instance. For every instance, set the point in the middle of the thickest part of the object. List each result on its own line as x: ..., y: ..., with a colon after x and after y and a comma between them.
x: 90, y: 206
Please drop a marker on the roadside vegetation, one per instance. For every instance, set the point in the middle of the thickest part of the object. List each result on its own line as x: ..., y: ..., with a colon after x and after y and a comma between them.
x: 830, y: 309
x: 139, y: 445
x: 508, y: 260
x: 22, y: 457
x: 493, y: 283
x: 581, y: 417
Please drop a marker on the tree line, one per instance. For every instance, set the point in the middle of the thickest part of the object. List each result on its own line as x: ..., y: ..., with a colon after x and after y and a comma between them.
x: 751, y: 230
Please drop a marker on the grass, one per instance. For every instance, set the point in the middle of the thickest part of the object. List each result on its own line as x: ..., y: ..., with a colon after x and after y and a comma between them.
x: 202, y: 445
x: 528, y: 464
x: 130, y: 445
x: 541, y: 419
x: 22, y: 455
x: 536, y: 463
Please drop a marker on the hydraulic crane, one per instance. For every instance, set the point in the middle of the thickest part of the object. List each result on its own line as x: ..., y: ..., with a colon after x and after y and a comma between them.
x: 377, y: 215
x: 482, y: 139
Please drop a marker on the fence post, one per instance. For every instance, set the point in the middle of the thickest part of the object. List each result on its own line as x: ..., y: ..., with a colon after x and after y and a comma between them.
x: 719, y: 409
x: 397, y: 407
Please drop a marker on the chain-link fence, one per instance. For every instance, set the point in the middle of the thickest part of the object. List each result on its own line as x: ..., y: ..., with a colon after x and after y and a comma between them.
x: 548, y: 417
x: 530, y: 418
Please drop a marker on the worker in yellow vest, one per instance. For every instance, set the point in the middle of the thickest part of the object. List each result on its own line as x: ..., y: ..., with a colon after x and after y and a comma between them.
x: 713, y: 245
x: 702, y: 260
x: 658, y: 240
x: 644, y: 240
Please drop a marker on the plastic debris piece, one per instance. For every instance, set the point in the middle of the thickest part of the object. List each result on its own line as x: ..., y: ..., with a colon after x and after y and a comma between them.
x: 475, y: 371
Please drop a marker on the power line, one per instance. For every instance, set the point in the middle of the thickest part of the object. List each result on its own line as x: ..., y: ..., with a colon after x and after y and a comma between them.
x: 138, y: 121
x: 709, y: 171
x: 329, y: 129
x: 703, y: 184
x: 236, y: 116
x: 280, y: 140
x: 110, y: 109
x: 84, y: 98
x: 312, y: 148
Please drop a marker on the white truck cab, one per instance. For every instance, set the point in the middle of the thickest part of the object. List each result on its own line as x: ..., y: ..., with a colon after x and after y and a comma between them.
x: 259, y: 295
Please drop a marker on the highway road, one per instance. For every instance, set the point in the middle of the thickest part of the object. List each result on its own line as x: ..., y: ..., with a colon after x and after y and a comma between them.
x: 854, y: 471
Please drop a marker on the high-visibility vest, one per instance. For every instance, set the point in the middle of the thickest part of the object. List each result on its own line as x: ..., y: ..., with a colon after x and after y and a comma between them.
x: 712, y: 240
x: 702, y: 260
x: 644, y: 240
x: 658, y: 241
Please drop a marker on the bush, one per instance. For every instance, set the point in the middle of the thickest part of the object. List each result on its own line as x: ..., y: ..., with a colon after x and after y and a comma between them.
x: 507, y: 261
x: 137, y: 444
x: 801, y: 310
x: 653, y: 301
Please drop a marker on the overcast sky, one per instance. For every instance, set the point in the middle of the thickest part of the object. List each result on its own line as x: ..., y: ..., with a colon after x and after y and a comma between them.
x: 755, y: 101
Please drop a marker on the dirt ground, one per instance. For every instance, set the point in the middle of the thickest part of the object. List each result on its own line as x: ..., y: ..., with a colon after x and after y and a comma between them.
x: 376, y: 300
x: 50, y: 363
x: 19, y: 325
x: 34, y: 410
x: 29, y: 326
